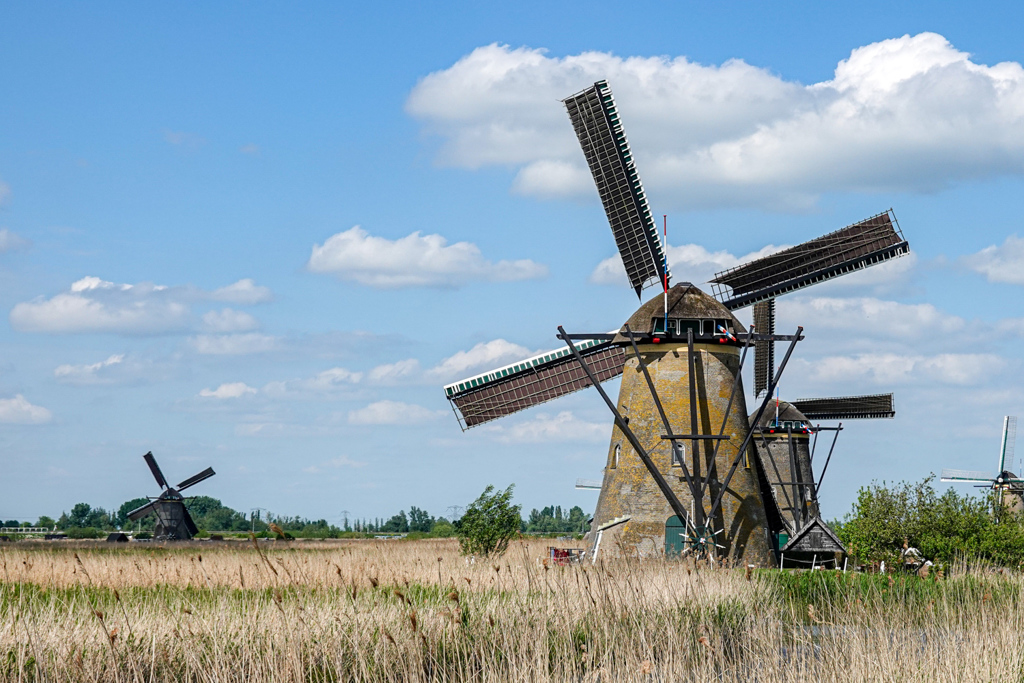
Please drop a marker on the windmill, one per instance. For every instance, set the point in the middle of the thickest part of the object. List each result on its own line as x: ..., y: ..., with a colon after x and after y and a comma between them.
x: 679, y: 478
x: 173, y: 522
x: 1004, y: 481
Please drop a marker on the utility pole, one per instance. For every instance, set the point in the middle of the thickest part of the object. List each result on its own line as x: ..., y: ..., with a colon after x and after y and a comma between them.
x: 253, y: 514
x: 454, y: 512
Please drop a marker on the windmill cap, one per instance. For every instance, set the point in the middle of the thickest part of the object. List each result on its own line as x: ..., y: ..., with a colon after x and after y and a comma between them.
x: 684, y: 302
x: 787, y: 413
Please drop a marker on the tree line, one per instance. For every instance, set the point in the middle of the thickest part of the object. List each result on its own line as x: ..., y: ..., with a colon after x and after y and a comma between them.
x: 211, y: 515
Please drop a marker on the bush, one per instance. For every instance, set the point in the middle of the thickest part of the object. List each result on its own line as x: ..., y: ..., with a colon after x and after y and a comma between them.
x: 942, y: 527
x: 490, y: 522
x: 84, y: 532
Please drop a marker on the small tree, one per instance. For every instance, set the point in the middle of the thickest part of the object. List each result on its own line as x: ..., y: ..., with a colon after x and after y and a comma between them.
x: 490, y: 522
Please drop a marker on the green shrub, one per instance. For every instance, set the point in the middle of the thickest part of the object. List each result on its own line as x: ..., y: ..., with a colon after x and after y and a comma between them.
x: 490, y: 522
x: 84, y: 532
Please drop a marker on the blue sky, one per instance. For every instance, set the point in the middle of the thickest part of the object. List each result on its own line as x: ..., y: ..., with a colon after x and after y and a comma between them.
x: 219, y: 158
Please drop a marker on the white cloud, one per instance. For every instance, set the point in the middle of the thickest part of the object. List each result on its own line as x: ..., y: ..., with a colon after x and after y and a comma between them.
x: 688, y: 263
x: 10, y: 241
x: 484, y: 355
x: 392, y: 412
x: 910, y: 113
x: 88, y: 374
x: 333, y: 464
x: 251, y: 149
x: 243, y: 292
x: 870, y: 317
x: 92, y: 304
x: 1004, y: 263
x: 234, y: 344
x: 544, y: 428
x: 395, y: 373
x: 5, y: 192
x: 18, y: 410
x: 95, y: 305
x: 331, y: 381
x: 412, y: 261
x: 232, y: 390
x: 229, y: 320
x: 891, y: 368
x: 180, y: 138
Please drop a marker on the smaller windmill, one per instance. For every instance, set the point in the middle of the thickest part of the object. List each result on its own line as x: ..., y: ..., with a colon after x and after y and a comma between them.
x: 1004, y: 480
x: 173, y: 523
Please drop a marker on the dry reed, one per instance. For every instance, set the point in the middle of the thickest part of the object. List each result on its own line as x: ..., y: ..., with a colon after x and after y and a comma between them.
x: 418, y: 611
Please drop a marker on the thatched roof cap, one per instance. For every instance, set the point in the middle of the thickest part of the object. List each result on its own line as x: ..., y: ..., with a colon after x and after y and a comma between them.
x: 684, y: 301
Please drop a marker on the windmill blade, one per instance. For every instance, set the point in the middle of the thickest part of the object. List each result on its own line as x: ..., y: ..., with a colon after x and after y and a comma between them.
x: 589, y: 484
x: 604, y: 144
x: 196, y: 478
x: 872, y: 241
x: 764, y: 351
x: 189, y: 524
x: 141, y: 511
x: 967, y: 476
x: 155, y: 469
x: 530, y: 382
x: 1009, y: 442
x: 869, y: 407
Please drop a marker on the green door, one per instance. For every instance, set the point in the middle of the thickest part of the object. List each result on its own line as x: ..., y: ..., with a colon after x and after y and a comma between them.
x: 674, y: 533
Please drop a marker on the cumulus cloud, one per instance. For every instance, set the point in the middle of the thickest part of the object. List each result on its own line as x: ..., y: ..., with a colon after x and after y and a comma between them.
x: 905, y: 114
x: 1004, y: 263
x: 93, y: 373
x: 92, y: 304
x: 395, y: 373
x: 232, y: 390
x: 392, y: 412
x: 870, y: 316
x: 412, y: 261
x: 484, y: 355
x: 244, y: 291
x: 18, y: 410
x: 688, y: 263
x: 229, y: 320
x: 331, y: 381
x: 891, y: 368
x: 545, y: 428
x: 234, y: 344
x: 10, y: 241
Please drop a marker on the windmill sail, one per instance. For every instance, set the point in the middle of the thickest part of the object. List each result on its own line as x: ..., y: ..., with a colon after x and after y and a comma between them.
x: 1006, y: 449
x: 869, y: 242
x: 764, y: 351
x: 967, y: 476
x: 846, y: 407
x: 155, y: 469
x: 531, y: 381
x: 196, y: 478
x: 597, y: 125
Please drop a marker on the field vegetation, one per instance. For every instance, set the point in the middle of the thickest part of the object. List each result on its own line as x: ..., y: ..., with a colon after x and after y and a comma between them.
x: 365, y: 610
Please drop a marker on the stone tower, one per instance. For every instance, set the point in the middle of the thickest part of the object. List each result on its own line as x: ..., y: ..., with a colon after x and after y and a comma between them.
x: 628, y: 489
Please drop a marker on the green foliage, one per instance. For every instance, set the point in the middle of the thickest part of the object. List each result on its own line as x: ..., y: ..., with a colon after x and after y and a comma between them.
x: 490, y: 522
x: 397, y: 524
x: 442, y: 529
x: 940, y: 526
x: 46, y: 522
x: 121, y: 516
x: 82, y: 515
x: 84, y: 532
x: 553, y: 520
x: 420, y: 520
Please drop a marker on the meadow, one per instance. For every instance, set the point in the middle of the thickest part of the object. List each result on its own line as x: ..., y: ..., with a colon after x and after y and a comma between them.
x: 419, y: 611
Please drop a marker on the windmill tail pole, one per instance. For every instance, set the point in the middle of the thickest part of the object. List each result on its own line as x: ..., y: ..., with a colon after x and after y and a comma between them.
x: 661, y: 410
x: 757, y: 418
x: 828, y: 459
x: 664, y: 266
x: 666, y: 490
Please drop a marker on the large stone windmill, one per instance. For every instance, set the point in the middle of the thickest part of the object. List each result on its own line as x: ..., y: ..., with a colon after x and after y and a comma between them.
x: 173, y: 523
x: 681, y: 474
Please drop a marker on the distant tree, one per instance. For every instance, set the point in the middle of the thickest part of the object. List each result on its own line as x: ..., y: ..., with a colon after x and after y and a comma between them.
x: 443, y: 528
x: 121, y: 516
x: 420, y: 520
x: 397, y: 524
x: 46, y: 522
x: 490, y: 522
x: 11, y: 523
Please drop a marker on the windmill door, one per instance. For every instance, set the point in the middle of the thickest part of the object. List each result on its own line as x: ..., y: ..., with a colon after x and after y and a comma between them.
x: 675, y: 533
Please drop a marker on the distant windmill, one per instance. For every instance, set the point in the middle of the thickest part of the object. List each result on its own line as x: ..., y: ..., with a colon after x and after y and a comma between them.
x: 1004, y: 481
x: 173, y: 523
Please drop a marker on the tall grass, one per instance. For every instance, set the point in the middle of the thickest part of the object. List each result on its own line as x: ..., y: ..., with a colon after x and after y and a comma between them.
x: 411, y: 611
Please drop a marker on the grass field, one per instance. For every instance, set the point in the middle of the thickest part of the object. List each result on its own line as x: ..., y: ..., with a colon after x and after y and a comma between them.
x: 417, y: 610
